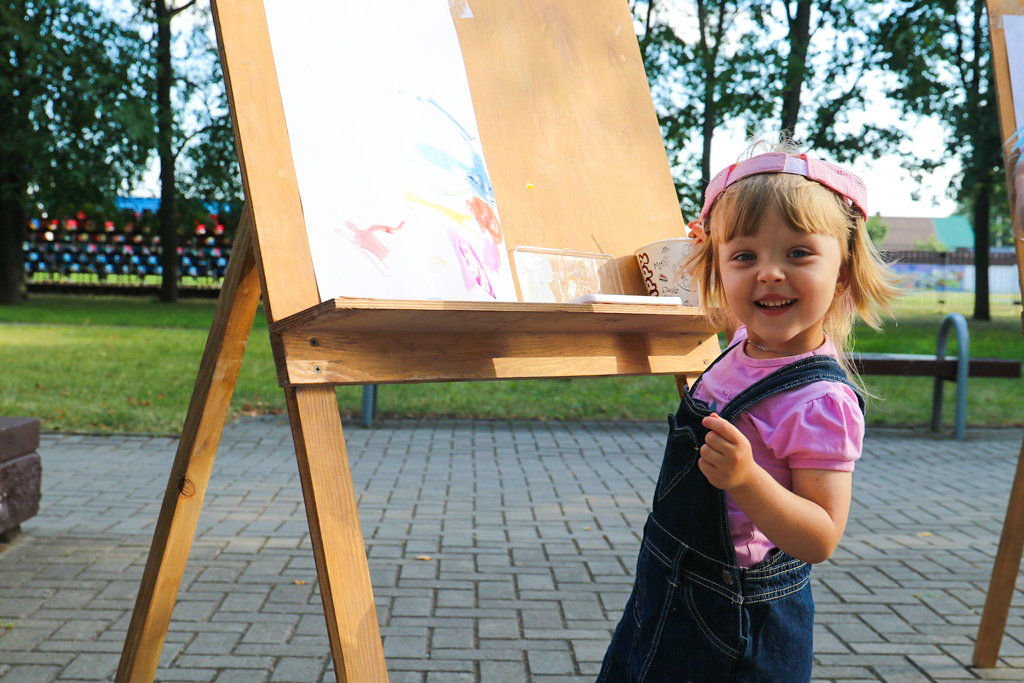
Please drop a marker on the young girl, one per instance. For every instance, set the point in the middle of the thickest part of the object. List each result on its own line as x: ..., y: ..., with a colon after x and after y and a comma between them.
x: 756, y: 480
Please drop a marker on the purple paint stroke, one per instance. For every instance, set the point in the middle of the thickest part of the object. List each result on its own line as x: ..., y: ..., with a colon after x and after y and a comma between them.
x: 474, y: 272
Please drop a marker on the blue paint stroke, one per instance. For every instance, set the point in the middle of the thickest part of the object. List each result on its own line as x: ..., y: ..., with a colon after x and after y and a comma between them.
x: 476, y: 173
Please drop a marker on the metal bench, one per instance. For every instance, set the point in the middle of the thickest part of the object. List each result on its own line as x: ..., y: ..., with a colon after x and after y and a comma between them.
x: 940, y: 367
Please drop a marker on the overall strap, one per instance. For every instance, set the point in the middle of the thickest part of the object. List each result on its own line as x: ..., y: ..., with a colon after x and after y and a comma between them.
x: 797, y: 374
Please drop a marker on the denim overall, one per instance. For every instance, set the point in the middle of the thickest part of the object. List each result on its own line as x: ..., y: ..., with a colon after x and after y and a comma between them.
x: 694, y: 616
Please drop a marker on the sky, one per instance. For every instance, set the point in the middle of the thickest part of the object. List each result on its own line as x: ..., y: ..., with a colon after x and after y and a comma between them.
x: 890, y: 188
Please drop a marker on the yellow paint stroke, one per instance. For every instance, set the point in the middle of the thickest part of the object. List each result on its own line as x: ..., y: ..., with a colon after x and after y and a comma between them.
x: 461, y: 218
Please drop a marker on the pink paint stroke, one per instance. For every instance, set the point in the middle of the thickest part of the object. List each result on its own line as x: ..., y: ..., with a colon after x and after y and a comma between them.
x: 366, y: 240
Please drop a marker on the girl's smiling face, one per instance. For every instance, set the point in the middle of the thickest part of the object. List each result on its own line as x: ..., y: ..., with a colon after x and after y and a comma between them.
x: 780, y: 283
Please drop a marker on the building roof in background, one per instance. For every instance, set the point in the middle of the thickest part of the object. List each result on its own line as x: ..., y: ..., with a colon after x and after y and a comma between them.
x: 954, y: 232
x: 907, y: 232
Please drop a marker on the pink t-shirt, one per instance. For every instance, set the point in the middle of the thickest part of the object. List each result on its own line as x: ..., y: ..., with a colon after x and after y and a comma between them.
x: 817, y: 426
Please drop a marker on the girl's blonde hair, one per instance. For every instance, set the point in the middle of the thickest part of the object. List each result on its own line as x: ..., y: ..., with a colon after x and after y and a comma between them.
x: 870, y: 287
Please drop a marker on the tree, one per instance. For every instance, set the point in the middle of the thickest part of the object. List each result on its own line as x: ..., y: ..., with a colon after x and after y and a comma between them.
x: 940, y: 53
x: 877, y: 229
x: 1000, y: 231
x: 703, y: 73
x: 802, y: 66
x: 74, y: 127
x: 194, y: 140
x: 823, y: 66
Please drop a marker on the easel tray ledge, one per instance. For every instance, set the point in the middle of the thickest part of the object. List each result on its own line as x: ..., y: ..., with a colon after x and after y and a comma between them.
x: 387, y: 315
x: 377, y: 341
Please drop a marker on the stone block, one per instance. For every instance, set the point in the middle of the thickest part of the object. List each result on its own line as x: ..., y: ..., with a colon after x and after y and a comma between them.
x: 18, y: 436
x: 21, y: 472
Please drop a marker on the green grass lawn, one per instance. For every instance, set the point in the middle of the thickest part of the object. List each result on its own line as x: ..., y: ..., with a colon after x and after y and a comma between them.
x: 122, y: 364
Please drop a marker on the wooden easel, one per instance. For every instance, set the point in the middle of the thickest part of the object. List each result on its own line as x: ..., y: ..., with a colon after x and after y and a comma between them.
x: 582, y: 106
x: 1011, y: 543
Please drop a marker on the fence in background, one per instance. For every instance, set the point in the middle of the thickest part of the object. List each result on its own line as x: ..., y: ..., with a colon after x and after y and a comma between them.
x: 945, y: 281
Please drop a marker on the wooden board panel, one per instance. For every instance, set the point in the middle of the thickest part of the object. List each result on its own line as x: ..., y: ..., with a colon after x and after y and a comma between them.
x: 359, y: 341
x: 378, y: 315
x: 364, y: 358
x: 570, y: 133
x: 568, y: 128
x: 1004, y: 575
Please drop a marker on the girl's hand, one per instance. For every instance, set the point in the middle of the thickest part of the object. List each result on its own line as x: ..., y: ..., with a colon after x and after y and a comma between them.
x: 806, y: 522
x: 725, y: 458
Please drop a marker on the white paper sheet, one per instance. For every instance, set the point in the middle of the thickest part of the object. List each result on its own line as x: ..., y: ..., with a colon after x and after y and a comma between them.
x: 1013, y: 27
x: 395, y: 192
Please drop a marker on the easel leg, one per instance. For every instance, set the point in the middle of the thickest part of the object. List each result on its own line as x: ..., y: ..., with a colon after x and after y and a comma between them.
x: 183, y: 498
x: 684, y: 381
x: 1004, y: 575
x: 336, y: 535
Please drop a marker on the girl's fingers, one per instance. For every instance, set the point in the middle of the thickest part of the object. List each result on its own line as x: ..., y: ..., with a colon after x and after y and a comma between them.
x: 721, y: 427
x: 708, y: 452
x: 715, y: 441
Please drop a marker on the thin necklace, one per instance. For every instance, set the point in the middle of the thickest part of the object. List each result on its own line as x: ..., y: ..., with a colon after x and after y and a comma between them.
x: 765, y: 348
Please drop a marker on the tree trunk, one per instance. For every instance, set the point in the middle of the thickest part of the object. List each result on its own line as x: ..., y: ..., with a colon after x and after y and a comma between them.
x: 12, y: 259
x: 14, y: 125
x: 981, y: 210
x: 707, y: 132
x: 165, y: 150
x: 709, y: 55
x: 796, y: 64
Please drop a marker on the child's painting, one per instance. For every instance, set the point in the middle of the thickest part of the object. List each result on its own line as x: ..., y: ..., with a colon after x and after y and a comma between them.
x: 1014, y: 32
x: 395, y: 192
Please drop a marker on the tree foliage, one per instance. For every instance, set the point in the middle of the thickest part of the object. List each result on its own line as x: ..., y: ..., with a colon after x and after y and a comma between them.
x: 828, y: 74
x: 877, y: 229
x: 940, y: 54
x: 74, y: 128
x: 704, y: 73
x: 807, y: 67
x: 194, y: 141
x: 86, y: 96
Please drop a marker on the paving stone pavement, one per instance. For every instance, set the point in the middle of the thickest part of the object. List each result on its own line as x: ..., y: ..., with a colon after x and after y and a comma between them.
x: 501, y: 552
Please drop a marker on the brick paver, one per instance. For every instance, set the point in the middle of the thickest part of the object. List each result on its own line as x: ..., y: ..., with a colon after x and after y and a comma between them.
x: 501, y: 552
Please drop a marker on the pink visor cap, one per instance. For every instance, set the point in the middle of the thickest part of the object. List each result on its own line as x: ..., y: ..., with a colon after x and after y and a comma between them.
x: 833, y: 177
